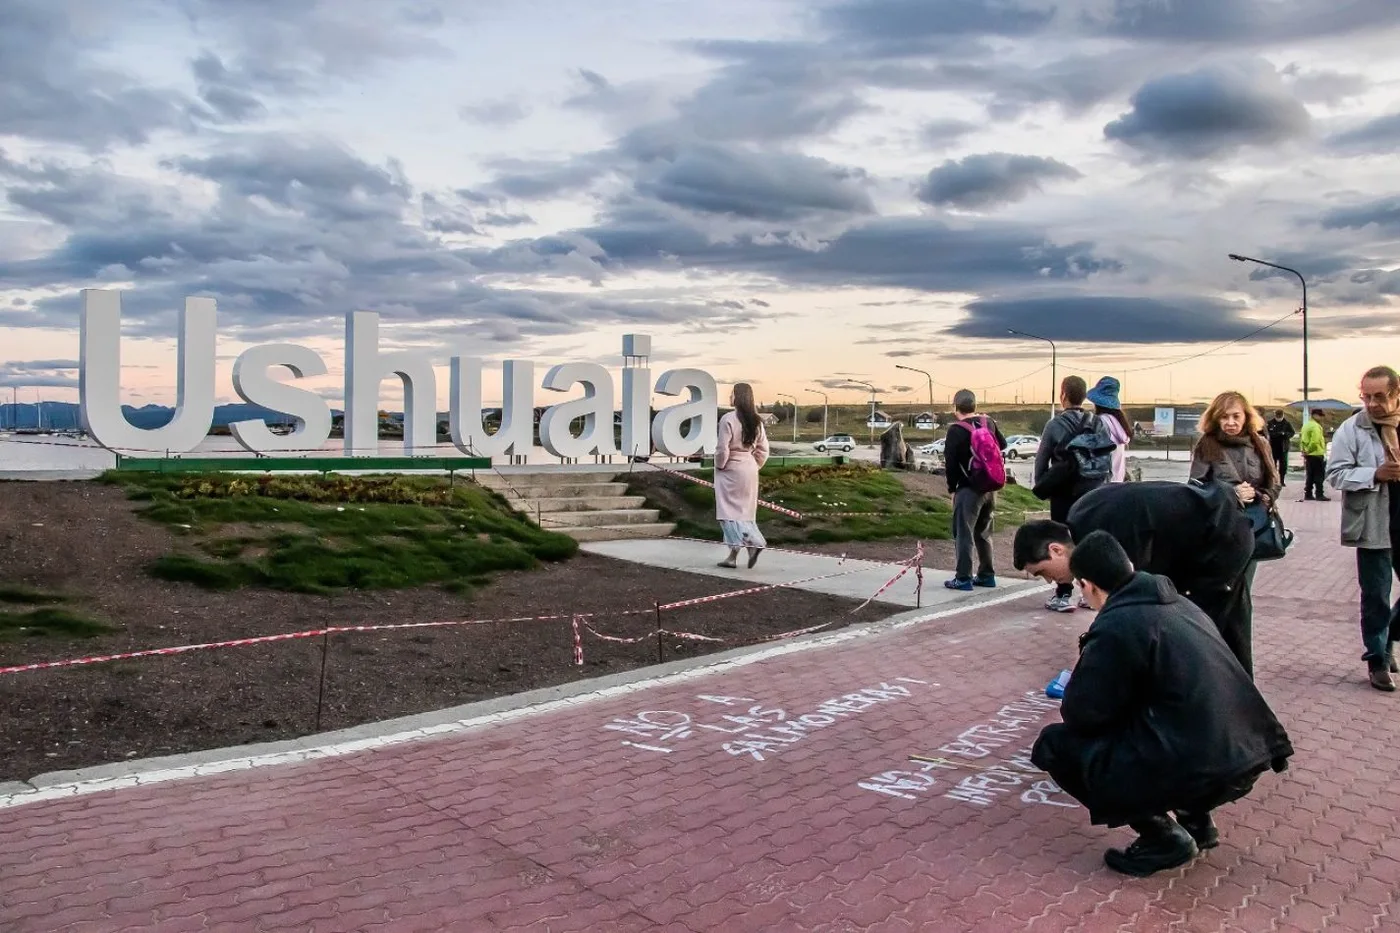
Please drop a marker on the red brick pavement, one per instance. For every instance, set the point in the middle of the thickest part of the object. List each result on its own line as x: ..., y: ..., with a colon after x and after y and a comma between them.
x: 553, y: 822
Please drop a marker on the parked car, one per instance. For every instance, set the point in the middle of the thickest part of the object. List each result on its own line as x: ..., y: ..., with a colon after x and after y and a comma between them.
x: 1021, y: 445
x: 934, y: 449
x: 842, y: 442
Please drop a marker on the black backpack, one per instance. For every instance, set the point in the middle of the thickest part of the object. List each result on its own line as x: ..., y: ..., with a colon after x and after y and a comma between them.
x: 1090, y: 451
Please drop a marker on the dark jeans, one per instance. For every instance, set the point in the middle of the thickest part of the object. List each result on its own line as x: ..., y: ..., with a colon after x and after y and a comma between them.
x: 1232, y: 611
x: 972, y: 522
x: 1316, y: 471
x: 1059, y: 512
x: 1380, y: 624
x: 1280, y: 452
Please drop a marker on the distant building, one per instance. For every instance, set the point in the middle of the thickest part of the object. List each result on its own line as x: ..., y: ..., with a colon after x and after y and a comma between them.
x: 879, y: 419
x: 926, y: 421
x: 1323, y: 404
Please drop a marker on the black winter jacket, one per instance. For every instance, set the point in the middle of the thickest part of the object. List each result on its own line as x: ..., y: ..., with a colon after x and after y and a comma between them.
x: 957, y: 449
x: 1158, y: 715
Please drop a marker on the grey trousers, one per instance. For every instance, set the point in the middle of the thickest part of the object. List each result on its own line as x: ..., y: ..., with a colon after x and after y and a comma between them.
x: 972, y: 523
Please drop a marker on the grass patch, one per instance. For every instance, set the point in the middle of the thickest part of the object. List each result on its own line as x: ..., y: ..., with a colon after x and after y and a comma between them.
x: 314, y: 534
x: 19, y: 595
x: 50, y: 622
x: 899, y: 509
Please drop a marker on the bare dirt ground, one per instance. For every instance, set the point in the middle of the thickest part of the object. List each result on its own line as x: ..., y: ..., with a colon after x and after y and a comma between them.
x: 83, y: 540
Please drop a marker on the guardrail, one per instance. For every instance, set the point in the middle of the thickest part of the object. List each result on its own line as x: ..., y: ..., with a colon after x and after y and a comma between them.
x: 299, y: 464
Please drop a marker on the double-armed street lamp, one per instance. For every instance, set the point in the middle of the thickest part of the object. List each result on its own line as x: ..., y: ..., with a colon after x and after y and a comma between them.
x: 826, y: 407
x: 1307, y: 387
x: 794, y: 412
x: 1054, y: 363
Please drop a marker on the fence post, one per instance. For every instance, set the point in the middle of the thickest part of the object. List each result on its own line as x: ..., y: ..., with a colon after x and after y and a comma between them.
x: 321, y: 688
x: 660, y: 645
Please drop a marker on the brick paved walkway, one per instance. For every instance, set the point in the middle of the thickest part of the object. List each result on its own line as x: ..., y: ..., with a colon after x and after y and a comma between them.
x: 769, y: 797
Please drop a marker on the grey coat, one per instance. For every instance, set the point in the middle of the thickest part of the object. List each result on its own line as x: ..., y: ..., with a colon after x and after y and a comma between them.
x: 1357, y: 452
x: 1240, y: 464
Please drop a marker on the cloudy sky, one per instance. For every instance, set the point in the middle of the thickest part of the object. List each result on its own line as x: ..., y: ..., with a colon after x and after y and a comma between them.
x: 791, y: 193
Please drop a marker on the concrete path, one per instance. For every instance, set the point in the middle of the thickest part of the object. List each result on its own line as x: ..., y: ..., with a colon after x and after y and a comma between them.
x: 771, y: 792
x: 855, y: 579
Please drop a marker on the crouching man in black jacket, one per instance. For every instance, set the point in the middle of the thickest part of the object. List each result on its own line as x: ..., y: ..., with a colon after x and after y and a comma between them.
x: 1158, y: 716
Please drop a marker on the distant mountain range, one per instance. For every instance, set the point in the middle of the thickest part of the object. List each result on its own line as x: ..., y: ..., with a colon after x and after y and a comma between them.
x: 63, y: 416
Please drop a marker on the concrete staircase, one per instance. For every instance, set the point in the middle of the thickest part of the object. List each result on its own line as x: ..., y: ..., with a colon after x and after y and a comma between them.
x: 585, y: 506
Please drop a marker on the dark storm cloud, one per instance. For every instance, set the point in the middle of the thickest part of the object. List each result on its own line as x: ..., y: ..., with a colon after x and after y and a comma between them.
x: 1380, y: 136
x: 1210, y: 112
x: 1240, y: 22
x: 223, y: 91
x: 900, y: 22
x: 299, y: 233
x: 757, y: 185
x: 52, y: 89
x: 1384, y: 213
x: 991, y: 178
x: 59, y: 374
x: 1110, y: 319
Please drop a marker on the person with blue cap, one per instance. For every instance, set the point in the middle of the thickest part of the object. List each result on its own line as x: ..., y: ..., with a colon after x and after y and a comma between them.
x: 1104, y: 397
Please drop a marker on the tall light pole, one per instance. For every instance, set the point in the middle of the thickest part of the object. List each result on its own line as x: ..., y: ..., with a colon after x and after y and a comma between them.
x: 826, y: 408
x: 1307, y: 387
x: 869, y: 421
x: 926, y: 376
x: 1054, y: 364
x: 794, y: 412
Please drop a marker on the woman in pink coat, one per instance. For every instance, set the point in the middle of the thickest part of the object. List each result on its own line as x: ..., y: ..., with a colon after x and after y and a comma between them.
x: 743, y: 449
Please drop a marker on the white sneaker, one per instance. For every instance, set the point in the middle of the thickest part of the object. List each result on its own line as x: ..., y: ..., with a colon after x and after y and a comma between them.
x: 1060, y: 604
x: 1084, y: 603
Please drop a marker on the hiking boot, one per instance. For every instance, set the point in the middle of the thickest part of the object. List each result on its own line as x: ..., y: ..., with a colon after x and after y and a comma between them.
x: 962, y: 584
x: 1201, y: 827
x: 1161, y: 844
x: 988, y: 582
x: 1379, y: 671
x: 1060, y: 604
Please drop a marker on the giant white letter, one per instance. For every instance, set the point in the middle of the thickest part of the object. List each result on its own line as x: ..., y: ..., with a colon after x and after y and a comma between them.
x: 253, y: 384
x: 365, y: 368
x: 595, y: 408
x: 516, y: 433
x: 100, y: 369
x: 702, y: 411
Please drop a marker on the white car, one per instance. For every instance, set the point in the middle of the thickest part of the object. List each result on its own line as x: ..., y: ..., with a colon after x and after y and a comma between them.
x: 934, y: 449
x: 841, y: 442
x: 1021, y: 445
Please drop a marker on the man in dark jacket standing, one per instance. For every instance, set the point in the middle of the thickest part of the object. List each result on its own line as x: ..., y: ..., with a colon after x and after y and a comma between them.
x: 972, y: 508
x: 1280, y: 435
x: 1158, y: 716
x: 1055, y: 477
x: 1197, y: 535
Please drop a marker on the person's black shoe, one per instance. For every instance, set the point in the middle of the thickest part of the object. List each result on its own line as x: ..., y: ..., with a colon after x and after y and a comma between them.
x: 1379, y: 672
x: 1201, y: 827
x: 1324, y: 499
x: 1161, y: 844
x: 1390, y: 659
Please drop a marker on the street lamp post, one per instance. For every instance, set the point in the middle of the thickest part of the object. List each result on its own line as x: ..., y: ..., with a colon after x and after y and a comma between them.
x: 826, y: 408
x: 794, y: 413
x: 1307, y: 386
x: 1054, y: 364
x: 870, y: 420
x: 926, y: 376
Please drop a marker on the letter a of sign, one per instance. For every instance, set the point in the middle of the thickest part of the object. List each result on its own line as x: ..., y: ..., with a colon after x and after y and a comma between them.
x: 99, y: 377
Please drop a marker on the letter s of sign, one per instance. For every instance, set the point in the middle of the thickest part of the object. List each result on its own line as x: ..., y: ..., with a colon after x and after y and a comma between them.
x: 99, y: 377
x: 253, y: 384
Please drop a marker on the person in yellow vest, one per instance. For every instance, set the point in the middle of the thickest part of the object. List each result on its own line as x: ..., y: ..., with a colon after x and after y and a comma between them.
x: 1314, y: 446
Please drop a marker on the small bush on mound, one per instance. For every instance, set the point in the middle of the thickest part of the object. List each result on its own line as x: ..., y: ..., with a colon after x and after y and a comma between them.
x: 319, y: 534
x: 17, y: 594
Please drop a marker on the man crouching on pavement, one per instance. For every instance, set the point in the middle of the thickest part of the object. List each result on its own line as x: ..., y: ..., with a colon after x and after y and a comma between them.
x: 1158, y: 715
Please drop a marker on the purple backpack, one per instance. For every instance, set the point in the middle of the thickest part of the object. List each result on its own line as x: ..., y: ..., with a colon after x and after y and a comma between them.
x: 986, y: 472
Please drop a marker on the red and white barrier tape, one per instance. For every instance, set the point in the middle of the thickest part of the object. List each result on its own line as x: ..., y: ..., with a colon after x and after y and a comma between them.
x: 578, y: 645
x: 618, y: 640
x: 908, y: 565
x: 770, y: 506
x: 691, y: 636
x: 680, y: 604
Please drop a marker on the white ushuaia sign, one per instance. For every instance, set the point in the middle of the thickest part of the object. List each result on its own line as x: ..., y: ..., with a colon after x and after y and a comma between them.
x: 682, y: 430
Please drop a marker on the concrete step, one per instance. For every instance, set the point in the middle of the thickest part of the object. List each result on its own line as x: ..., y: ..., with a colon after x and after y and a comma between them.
x: 517, y: 492
x: 577, y: 503
x: 558, y: 521
x: 618, y: 532
x: 545, y: 480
